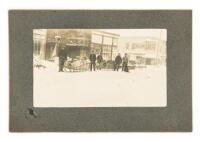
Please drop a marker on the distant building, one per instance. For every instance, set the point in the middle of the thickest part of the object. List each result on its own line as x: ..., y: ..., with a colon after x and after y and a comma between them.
x: 155, y: 51
x: 78, y: 43
x: 146, y: 50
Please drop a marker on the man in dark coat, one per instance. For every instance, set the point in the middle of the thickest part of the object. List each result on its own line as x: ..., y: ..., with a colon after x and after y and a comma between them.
x: 125, y: 63
x: 92, y: 61
x: 62, y: 57
x: 118, y: 61
x: 99, y: 61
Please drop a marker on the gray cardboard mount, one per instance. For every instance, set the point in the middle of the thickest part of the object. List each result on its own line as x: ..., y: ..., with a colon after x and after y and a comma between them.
x: 176, y: 117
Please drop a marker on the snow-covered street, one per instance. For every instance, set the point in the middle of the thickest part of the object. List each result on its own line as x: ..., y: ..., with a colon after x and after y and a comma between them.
x: 140, y: 88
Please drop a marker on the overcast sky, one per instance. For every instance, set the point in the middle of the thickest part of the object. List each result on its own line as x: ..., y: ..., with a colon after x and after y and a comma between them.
x: 157, y: 33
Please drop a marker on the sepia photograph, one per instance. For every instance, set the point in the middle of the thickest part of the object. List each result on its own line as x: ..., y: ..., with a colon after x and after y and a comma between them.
x: 100, y: 70
x: 99, y: 67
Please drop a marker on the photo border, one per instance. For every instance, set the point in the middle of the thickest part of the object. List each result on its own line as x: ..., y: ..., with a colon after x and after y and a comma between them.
x: 176, y: 117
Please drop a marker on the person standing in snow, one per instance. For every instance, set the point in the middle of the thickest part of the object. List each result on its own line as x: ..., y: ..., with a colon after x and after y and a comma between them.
x: 99, y: 61
x: 92, y: 61
x: 62, y: 57
x: 125, y: 63
x: 118, y: 61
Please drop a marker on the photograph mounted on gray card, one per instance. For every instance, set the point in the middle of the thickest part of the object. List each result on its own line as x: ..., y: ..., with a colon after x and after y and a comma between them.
x: 100, y: 70
x: 99, y: 67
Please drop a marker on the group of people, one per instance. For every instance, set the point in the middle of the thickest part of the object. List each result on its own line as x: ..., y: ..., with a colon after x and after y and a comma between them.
x: 118, y: 61
x: 124, y: 61
x: 95, y: 59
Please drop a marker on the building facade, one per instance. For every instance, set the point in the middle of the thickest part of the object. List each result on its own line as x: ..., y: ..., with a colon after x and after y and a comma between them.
x: 78, y: 42
x: 105, y: 43
x: 39, y: 43
x: 144, y: 50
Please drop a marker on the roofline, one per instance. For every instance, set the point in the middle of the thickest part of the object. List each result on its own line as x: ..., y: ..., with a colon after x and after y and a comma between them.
x: 101, y: 31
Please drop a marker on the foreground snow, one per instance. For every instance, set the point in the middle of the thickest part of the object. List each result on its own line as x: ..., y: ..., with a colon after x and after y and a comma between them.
x: 140, y: 87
